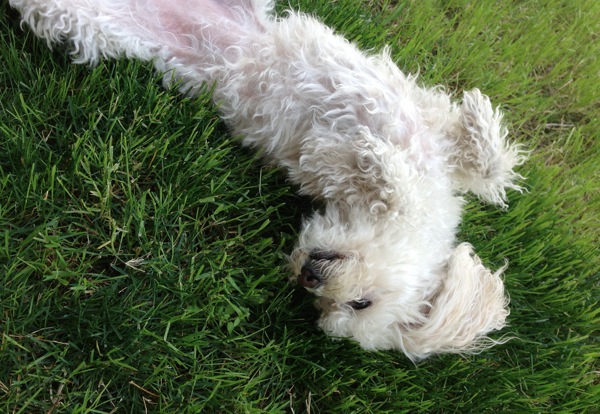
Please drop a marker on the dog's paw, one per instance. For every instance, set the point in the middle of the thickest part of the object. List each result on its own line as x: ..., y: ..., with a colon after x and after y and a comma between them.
x: 483, y: 158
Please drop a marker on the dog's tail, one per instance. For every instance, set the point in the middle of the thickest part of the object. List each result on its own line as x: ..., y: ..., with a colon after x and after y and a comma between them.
x: 470, y: 304
x: 483, y: 159
x: 147, y: 30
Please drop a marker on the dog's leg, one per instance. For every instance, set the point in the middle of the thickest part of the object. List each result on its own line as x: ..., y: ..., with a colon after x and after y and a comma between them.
x: 365, y: 172
x: 94, y: 29
x: 147, y: 30
x: 190, y: 41
x: 482, y: 158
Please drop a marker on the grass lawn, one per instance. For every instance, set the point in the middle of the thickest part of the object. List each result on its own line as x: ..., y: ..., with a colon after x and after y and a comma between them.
x: 142, y: 251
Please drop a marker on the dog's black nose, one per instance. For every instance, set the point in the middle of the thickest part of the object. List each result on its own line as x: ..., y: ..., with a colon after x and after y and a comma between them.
x: 308, y: 278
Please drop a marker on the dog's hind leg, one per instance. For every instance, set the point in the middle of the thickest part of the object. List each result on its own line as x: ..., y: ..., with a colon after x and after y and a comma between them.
x: 94, y: 29
x: 144, y: 30
x: 482, y: 158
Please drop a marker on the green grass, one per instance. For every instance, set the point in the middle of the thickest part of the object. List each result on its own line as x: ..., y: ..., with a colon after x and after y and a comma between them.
x: 142, y: 252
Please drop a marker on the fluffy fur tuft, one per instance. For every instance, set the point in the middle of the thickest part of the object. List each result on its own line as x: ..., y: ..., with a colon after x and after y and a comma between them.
x: 484, y: 159
x: 388, y: 157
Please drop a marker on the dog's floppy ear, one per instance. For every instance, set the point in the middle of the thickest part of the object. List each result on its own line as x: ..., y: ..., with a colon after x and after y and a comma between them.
x: 470, y: 303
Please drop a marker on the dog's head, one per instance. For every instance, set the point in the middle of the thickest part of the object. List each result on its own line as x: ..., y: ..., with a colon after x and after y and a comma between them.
x: 387, y: 285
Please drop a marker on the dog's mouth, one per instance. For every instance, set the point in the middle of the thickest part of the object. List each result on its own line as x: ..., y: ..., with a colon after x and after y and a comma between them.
x: 326, y: 255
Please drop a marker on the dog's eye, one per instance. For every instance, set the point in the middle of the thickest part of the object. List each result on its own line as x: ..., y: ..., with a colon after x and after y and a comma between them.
x: 360, y: 304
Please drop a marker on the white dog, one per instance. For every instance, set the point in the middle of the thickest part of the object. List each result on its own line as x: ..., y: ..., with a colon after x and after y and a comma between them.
x: 388, y: 157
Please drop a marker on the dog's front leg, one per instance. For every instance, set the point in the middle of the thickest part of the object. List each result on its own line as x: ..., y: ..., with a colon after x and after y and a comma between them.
x: 362, y: 171
x: 483, y: 158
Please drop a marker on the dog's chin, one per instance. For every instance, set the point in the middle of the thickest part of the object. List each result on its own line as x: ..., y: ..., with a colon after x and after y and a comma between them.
x: 339, y: 320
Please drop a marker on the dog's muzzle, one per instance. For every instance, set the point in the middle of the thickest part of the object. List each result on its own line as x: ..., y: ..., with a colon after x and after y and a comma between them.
x: 309, y: 277
x: 311, y: 274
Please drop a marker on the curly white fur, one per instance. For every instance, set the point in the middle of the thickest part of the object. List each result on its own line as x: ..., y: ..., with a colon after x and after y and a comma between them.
x: 387, y: 156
